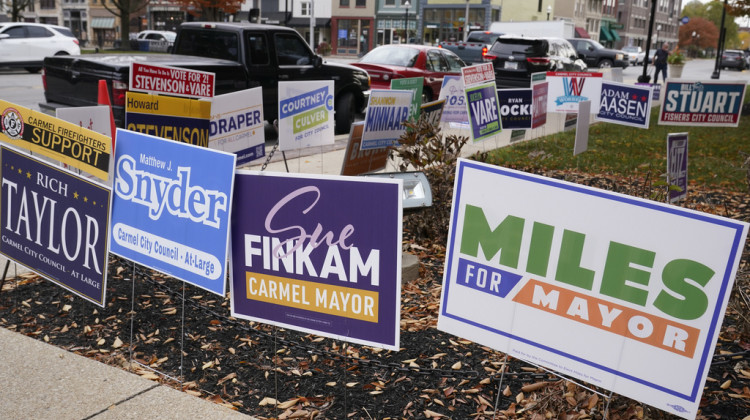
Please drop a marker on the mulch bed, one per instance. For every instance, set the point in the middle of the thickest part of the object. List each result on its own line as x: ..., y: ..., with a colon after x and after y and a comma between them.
x: 274, y: 373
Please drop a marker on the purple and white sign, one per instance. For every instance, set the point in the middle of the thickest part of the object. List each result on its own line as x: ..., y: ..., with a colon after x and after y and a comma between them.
x: 624, y: 104
x: 455, y: 101
x: 515, y: 108
x: 55, y: 223
x: 677, y: 165
x: 319, y: 254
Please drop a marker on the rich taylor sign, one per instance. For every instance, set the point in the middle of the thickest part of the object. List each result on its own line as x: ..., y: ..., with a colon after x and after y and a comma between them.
x: 620, y: 292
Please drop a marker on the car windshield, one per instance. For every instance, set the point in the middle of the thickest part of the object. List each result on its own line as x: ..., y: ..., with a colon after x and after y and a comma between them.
x: 596, y: 45
x: 483, y: 37
x: 170, y: 36
x: 533, y: 47
x: 392, y: 56
x: 630, y: 49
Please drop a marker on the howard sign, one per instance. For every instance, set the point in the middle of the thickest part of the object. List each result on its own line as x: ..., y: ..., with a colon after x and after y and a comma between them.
x: 542, y: 268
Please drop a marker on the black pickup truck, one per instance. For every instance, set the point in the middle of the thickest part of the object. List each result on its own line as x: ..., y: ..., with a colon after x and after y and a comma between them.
x: 242, y: 55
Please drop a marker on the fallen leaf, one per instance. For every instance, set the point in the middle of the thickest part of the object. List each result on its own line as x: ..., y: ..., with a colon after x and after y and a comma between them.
x: 534, y: 387
x: 288, y: 404
x: 117, y: 344
x: 726, y: 384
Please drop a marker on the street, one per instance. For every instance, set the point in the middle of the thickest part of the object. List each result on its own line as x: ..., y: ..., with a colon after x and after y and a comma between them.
x: 25, y: 89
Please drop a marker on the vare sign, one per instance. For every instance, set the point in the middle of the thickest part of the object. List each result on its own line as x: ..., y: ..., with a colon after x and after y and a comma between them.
x: 623, y: 293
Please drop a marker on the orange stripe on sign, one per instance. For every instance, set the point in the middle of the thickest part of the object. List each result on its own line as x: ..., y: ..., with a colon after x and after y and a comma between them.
x: 323, y: 298
x: 637, y: 325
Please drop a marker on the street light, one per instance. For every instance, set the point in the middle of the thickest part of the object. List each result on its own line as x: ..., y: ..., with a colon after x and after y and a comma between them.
x: 406, y: 22
x: 645, y: 78
x: 722, y: 33
x: 658, y: 28
x: 549, y: 10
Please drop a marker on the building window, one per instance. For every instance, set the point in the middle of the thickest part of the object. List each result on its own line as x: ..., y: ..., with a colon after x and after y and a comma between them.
x: 361, y: 3
x: 344, y: 3
x: 47, y: 4
x: 390, y: 2
x: 305, y: 11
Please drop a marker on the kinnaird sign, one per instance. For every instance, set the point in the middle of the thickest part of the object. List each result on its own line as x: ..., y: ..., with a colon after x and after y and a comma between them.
x: 319, y: 254
x: 621, y: 292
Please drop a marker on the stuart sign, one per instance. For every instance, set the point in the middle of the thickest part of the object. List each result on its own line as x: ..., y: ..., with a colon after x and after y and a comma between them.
x: 542, y: 268
x: 700, y: 103
x: 319, y: 254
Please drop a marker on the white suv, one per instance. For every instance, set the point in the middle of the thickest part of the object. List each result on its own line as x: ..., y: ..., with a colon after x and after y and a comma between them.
x: 25, y: 44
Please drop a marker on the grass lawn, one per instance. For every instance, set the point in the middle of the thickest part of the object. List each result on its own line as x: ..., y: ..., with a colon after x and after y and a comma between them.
x: 716, y: 156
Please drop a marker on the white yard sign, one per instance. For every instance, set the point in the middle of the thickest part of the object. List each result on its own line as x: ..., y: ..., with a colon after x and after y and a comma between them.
x: 305, y: 114
x: 620, y: 292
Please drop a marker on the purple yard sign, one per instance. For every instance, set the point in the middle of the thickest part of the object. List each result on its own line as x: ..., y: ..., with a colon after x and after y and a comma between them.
x: 677, y: 165
x: 319, y: 254
x: 55, y: 223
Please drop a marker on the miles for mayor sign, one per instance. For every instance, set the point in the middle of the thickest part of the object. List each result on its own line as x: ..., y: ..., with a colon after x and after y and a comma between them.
x: 319, y: 255
x: 620, y: 292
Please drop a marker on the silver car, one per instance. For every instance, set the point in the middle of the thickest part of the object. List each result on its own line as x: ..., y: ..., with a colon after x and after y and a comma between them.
x: 25, y: 44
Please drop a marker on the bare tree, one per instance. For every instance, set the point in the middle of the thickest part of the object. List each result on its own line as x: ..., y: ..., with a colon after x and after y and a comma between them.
x: 123, y: 9
x: 15, y: 7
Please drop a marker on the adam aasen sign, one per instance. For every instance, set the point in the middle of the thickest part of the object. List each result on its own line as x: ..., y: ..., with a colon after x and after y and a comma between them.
x: 646, y: 282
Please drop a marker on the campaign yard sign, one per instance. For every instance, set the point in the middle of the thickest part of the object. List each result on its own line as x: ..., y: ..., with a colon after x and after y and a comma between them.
x: 432, y: 112
x: 174, y: 81
x: 515, y: 108
x: 624, y: 104
x: 179, y: 119
x: 540, y: 91
x: 56, y: 139
x: 305, y: 114
x: 484, y: 115
x: 358, y: 161
x: 55, y: 223
x: 416, y: 85
x: 701, y: 103
x: 542, y: 268
x: 452, y: 91
x: 386, y: 111
x: 677, y: 165
x: 568, y: 89
x: 237, y: 124
x: 171, y: 208
x: 319, y: 254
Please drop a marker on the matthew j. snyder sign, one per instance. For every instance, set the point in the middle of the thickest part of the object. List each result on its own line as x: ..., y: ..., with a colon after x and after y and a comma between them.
x: 542, y: 268
x: 55, y: 223
x: 318, y: 254
x: 170, y: 211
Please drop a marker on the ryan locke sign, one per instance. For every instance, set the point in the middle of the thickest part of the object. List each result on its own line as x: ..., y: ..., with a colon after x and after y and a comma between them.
x: 716, y: 104
x: 55, y: 223
x: 320, y: 255
x: 542, y: 268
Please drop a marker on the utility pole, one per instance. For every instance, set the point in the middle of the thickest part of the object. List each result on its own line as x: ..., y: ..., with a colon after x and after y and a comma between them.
x: 466, y: 22
x: 645, y: 78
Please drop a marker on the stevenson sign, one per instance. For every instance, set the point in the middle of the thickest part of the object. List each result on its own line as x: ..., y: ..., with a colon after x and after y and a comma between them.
x: 541, y: 269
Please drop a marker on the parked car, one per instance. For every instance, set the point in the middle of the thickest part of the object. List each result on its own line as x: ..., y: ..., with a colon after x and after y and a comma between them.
x: 596, y: 55
x: 26, y: 44
x: 733, y: 59
x: 515, y: 58
x: 149, y: 40
x: 636, y: 55
x: 389, y: 62
x: 476, y: 46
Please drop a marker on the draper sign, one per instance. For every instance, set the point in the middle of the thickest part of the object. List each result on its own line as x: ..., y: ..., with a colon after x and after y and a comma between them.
x: 55, y: 223
x: 692, y: 102
x: 171, y: 206
x: 542, y: 268
x: 319, y: 254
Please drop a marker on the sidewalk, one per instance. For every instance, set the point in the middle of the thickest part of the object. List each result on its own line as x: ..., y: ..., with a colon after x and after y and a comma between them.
x: 41, y: 381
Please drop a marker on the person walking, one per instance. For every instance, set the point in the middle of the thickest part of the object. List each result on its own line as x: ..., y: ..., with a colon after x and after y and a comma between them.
x: 660, y: 62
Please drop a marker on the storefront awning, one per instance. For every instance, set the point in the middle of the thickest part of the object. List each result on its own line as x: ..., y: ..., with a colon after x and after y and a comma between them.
x: 103, y: 22
x: 615, y: 35
x: 605, y: 35
x: 581, y: 33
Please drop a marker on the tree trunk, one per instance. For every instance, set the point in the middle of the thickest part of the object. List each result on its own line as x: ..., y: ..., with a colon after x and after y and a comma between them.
x: 124, y: 30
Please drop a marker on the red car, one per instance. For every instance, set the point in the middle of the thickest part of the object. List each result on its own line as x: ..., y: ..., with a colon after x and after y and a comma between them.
x: 396, y: 61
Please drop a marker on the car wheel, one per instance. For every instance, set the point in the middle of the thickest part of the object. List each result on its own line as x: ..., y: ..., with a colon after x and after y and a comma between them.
x: 605, y: 64
x: 344, y: 113
x: 426, y: 95
x: 32, y: 70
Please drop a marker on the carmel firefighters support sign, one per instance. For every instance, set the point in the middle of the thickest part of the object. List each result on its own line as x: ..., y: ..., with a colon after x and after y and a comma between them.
x: 715, y: 103
x: 56, y: 139
x: 320, y: 254
x: 171, y: 81
x: 171, y: 206
x: 55, y: 223
x: 541, y: 269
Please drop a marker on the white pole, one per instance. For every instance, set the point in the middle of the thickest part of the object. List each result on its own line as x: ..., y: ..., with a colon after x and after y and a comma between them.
x: 312, y: 25
x: 466, y: 22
